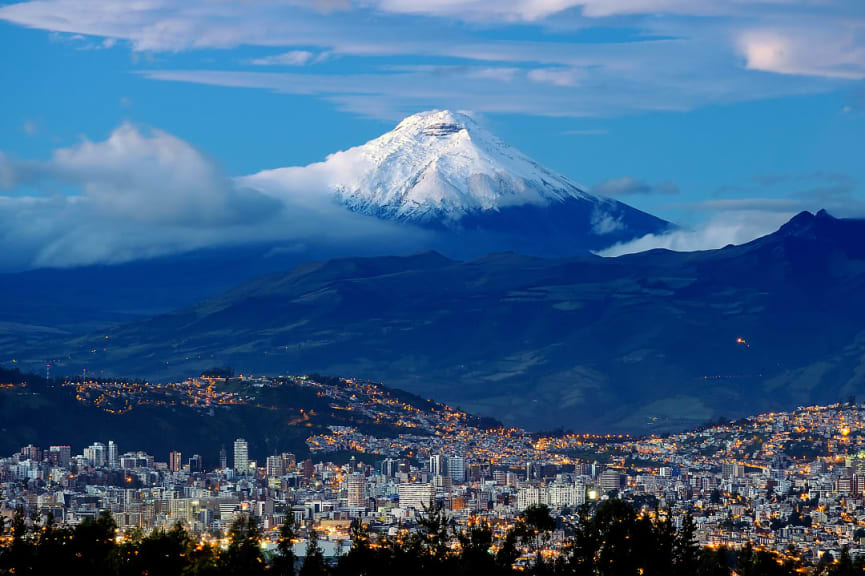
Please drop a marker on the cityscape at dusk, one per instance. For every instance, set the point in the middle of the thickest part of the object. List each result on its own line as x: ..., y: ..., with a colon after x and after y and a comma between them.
x: 788, y: 482
x: 432, y: 288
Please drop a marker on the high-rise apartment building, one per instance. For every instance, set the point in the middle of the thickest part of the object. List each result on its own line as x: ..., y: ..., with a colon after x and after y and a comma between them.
x: 275, y: 466
x: 417, y: 496
x: 175, y: 463
x: 437, y: 465
x: 732, y: 470
x: 96, y: 454
x: 31, y: 452
x: 389, y: 467
x: 60, y: 455
x: 610, y: 480
x: 195, y: 463
x: 308, y: 468
x: 457, y: 468
x: 113, y: 454
x: 241, y: 456
x: 356, y: 488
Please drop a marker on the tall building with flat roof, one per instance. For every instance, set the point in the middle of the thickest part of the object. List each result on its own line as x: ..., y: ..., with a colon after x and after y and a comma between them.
x: 417, y: 496
x: 356, y: 488
x: 31, y: 452
x: 437, y: 465
x: 195, y: 463
x: 610, y: 480
x: 275, y: 466
x: 113, y: 454
x: 175, y: 464
x: 95, y: 454
x: 457, y: 468
x: 60, y: 455
x: 241, y: 456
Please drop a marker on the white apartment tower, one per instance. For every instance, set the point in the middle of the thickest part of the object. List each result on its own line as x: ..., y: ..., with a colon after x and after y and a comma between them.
x: 417, y: 496
x: 457, y: 468
x: 356, y: 488
x: 437, y: 465
x: 113, y: 454
x: 95, y: 454
x: 241, y: 456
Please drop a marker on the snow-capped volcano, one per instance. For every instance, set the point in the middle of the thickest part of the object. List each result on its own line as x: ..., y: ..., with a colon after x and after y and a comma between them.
x: 442, y: 169
x: 442, y: 165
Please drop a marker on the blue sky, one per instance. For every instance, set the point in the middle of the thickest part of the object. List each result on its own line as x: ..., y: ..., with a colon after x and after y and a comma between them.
x: 715, y: 112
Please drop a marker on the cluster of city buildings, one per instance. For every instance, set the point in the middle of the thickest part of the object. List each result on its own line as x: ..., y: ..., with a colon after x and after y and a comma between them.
x: 775, y: 480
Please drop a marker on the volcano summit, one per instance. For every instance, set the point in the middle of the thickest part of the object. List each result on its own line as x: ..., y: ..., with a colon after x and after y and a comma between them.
x: 442, y: 170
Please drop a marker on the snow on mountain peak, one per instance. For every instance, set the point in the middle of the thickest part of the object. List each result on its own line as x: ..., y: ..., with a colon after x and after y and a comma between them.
x: 437, y: 123
x: 435, y: 166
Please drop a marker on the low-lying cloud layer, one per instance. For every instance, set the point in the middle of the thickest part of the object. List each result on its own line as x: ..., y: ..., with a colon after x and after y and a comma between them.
x: 144, y: 193
x: 760, y: 208
x: 725, y: 228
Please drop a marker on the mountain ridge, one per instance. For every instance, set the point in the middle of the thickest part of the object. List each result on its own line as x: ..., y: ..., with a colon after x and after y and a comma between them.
x: 653, y: 341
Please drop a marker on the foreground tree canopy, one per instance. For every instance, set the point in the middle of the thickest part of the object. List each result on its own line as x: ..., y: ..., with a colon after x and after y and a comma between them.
x: 612, y: 540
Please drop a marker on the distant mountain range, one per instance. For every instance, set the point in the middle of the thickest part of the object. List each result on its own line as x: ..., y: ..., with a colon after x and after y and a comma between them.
x: 441, y: 170
x: 651, y: 341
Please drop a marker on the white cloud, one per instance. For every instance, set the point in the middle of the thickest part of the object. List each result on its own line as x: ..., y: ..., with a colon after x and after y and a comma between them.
x: 618, y: 79
x: 834, y: 51
x: 150, y: 176
x: 534, y: 10
x: 735, y: 227
x: 739, y: 220
x: 144, y: 193
x: 508, y: 10
x: 604, y: 222
x: 696, y: 54
x: 291, y: 58
x: 555, y: 76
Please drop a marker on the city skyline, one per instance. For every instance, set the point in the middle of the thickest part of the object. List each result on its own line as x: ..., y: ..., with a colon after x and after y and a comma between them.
x: 764, y: 480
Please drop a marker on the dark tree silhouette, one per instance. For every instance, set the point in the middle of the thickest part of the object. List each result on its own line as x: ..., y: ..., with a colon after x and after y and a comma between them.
x: 243, y: 557
x: 686, y: 550
x: 714, y: 562
x: 360, y: 559
x: 610, y: 540
x: 93, y: 543
x: 313, y: 563
x: 283, y: 562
